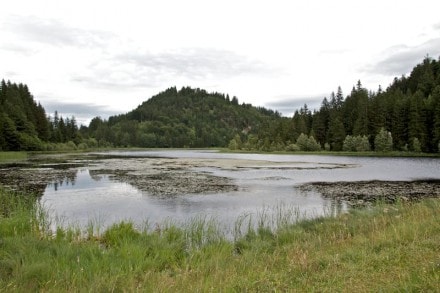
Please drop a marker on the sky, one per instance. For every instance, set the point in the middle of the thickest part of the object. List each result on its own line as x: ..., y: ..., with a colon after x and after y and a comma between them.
x: 98, y: 58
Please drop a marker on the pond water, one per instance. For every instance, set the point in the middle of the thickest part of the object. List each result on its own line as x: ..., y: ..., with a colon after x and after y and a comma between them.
x: 263, y: 184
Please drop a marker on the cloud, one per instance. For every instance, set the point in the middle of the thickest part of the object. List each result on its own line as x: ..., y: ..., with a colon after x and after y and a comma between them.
x: 401, y: 59
x: 53, y: 32
x: 288, y: 104
x: 83, y: 112
x: 18, y: 49
x: 197, y: 62
x: 147, y: 69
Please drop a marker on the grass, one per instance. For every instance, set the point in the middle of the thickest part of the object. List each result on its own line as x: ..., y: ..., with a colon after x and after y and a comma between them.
x: 8, y: 157
x: 339, y: 153
x: 386, y: 248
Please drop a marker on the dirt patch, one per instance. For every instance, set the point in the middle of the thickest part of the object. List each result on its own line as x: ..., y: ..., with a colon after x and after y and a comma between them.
x: 366, y: 192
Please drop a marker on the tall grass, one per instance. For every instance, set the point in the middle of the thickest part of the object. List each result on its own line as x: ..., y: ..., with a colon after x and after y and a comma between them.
x: 386, y: 248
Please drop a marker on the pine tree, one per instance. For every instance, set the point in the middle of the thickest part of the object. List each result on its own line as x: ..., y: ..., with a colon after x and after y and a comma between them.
x: 336, y: 134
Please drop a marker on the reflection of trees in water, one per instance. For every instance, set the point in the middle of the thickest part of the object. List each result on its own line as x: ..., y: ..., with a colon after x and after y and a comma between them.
x: 64, y: 179
x: 35, y: 180
x: 95, y: 175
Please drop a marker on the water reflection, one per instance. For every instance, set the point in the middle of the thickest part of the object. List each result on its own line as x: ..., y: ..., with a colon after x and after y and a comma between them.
x: 101, y: 200
x: 68, y: 179
x: 85, y: 196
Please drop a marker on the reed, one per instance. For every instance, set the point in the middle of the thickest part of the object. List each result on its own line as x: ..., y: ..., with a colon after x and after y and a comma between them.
x: 385, y: 248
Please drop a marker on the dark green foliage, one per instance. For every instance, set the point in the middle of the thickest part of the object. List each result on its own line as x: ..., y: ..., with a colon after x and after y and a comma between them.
x: 182, y: 118
x: 409, y: 109
x: 23, y: 123
x: 63, y: 130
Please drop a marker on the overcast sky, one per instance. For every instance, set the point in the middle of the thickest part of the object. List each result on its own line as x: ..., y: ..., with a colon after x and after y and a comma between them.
x: 90, y: 58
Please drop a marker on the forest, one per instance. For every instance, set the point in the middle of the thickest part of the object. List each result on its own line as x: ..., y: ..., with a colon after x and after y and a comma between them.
x: 24, y: 124
x: 403, y: 117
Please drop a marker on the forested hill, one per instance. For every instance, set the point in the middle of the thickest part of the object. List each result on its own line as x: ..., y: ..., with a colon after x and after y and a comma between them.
x: 182, y: 118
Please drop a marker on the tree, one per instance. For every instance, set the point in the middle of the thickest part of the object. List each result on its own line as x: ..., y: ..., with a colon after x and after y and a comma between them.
x: 339, y: 98
x: 417, y: 119
x: 416, y: 146
x: 10, y: 137
x: 235, y: 143
x: 383, y: 141
x: 336, y: 134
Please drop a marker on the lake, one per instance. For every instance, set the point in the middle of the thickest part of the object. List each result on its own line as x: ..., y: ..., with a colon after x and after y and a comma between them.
x: 157, y: 187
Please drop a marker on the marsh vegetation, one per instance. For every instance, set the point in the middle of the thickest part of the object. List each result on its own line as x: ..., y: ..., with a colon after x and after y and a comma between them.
x: 387, y: 248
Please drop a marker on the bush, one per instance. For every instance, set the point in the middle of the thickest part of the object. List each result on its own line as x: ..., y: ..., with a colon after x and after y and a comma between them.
x: 348, y: 144
x: 82, y: 146
x: 29, y: 143
x: 356, y: 144
x: 235, y: 143
x: 277, y: 146
x: 383, y: 141
x: 416, y: 146
x: 292, y: 148
x: 306, y: 143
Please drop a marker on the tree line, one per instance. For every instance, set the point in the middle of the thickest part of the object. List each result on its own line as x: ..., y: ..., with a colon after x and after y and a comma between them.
x: 404, y: 117
x: 24, y: 124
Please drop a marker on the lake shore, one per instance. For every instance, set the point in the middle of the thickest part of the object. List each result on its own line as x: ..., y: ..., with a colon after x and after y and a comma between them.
x: 347, y: 252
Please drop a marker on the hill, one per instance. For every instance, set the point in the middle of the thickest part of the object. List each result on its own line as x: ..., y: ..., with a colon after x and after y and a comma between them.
x: 182, y: 118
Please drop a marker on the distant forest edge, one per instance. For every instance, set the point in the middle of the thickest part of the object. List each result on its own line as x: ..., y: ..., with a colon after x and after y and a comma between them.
x: 404, y: 117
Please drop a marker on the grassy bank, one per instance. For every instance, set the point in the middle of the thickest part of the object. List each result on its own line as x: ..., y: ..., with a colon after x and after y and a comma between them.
x: 406, y: 154
x: 7, y: 157
x: 388, y: 248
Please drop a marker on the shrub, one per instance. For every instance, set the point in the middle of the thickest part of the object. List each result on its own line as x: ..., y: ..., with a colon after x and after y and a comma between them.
x: 356, y: 144
x: 292, y: 148
x: 235, y: 143
x: 348, y: 144
x: 306, y: 143
x: 383, y: 141
x: 416, y: 146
